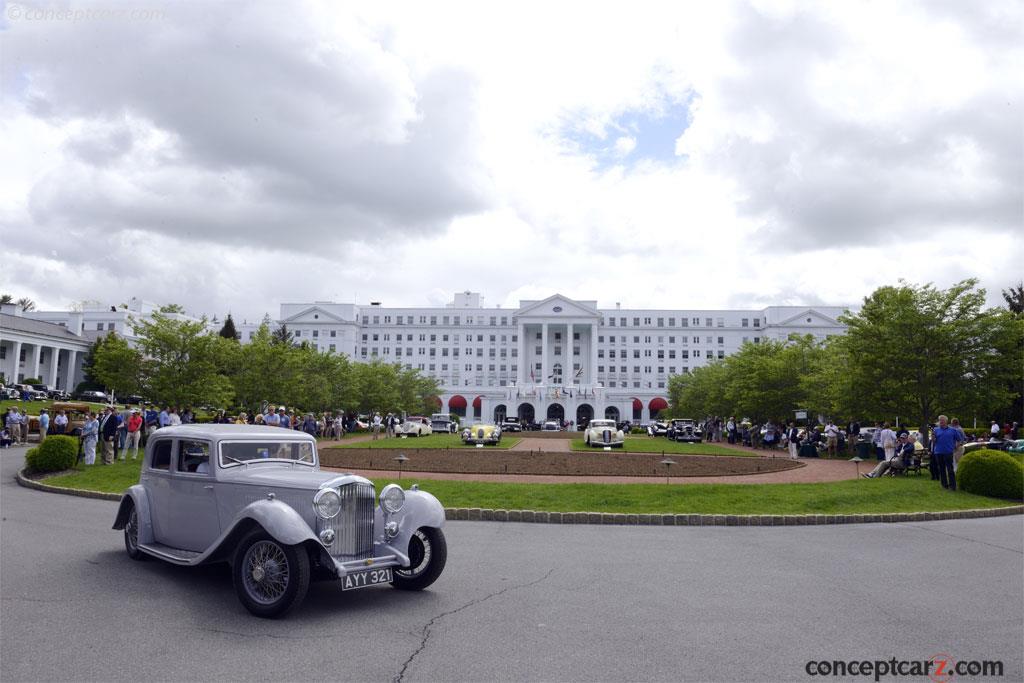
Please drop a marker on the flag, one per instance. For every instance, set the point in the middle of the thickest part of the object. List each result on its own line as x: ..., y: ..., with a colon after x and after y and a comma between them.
x: 580, y: 371
x: 531, y: 376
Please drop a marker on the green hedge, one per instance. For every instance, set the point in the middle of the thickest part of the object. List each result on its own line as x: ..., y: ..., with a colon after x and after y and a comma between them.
x: 54, y: 454
x: 991, y: 473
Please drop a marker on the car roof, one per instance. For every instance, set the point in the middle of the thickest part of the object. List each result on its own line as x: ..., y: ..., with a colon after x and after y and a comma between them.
x: 230, y: 431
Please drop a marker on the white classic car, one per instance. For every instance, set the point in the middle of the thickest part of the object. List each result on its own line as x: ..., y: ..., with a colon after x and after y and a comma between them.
x: 256, y: 498
x: 414, y: 426
x: 604, y: 433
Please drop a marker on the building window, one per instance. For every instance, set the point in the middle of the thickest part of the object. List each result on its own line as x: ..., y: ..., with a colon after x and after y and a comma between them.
x: 757, y: 322
x: 721, y: 340
x: 298, y: 333
x: 636, y: 322
x: 745, y: 322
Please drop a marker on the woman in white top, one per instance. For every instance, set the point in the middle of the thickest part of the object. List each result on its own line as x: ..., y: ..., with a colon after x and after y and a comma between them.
x: 174, y: 418
x: 90, y: 433
x: 888, y: 441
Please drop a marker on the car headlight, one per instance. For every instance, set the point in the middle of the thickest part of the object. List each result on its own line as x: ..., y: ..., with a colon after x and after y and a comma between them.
x: 327, y: 503
x: 392, y: 498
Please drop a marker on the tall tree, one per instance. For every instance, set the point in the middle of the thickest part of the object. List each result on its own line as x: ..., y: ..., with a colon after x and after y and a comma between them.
x: 916, y: 351
x: 117, y: 365
x: 229, y: 331
x: 283, y: 336
x: 1014, y: 297
x: 27, y: 304
x: 6, y: 299
x: 90, y: 382
x: 183, y: 363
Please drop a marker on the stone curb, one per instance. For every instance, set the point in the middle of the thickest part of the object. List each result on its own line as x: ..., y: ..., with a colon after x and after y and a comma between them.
x: 540, y: 517
x: 40, y: 486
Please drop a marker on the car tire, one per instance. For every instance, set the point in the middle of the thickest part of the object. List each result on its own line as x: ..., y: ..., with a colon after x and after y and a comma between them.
x: 131, y: 535
x: 270, y: 578
x: 428, y: 553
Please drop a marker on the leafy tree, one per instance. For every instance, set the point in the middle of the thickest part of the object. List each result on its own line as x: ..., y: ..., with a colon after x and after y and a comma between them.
x: 90, y: 382
x: 917, y: 351
x: 265, y: 371
x: 229, y: 331
x: 6, y: 299
x: 1014, y: 297
x: 26, y: 304
x: 117, y: 365
x: 171, y: 308
x: 183, y: 363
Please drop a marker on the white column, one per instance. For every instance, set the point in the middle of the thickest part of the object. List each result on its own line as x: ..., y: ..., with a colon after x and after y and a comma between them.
x: 54, y: 357
x: 69, y: 384
x: 592, y: 371
x: 34, y: 362
x: 571, y: 377
x: 521, y: 351
x: 543, y: 379
x: 15, y: 363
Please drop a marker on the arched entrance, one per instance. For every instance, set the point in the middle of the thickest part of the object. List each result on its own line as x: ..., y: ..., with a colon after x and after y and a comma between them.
x: 584, y: 414
x: 525, y: 413
x: 611, y: 413
x: 638, y: 409
x: 556, y: 412
x: 457, y: 405
x: 477, y: 403
x: 656, y: 406
x: 499, y: 413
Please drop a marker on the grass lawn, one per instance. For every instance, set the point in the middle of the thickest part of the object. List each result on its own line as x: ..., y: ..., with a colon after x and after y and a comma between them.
x: 910, y: 494
x: 432, y: 441
x: 32, y: 407
x: 646, y: 444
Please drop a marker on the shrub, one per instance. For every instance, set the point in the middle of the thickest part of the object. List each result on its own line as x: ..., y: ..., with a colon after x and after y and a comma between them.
x: 54, y: 454
x: 991, y: 473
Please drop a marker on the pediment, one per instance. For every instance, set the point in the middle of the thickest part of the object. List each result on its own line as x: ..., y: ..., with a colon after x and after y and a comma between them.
x: 312, y: 316
x: 557, y: 306
x: 817, y: 319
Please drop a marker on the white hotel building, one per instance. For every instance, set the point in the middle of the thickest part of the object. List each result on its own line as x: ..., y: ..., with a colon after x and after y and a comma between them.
x: 555, y: 358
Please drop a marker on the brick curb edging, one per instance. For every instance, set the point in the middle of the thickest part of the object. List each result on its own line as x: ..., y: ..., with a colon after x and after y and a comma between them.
x: 540, y: 517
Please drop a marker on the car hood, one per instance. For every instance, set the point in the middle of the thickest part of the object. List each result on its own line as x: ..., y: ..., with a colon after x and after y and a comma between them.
x: 286, y: 476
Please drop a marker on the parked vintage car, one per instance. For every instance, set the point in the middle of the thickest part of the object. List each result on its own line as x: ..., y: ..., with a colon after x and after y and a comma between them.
x: 30, y: 391
x: 443, y: 422
x: 551, y: 426
x: 658, y: 429
x: 414, y: 426
x: 510, y: 425
x: 486, y: 434
x: 604, y: 433
x: 255, y: 497
x: 685, y: 429
x: 9, y: 393
x: 93, y: 396
x: 1016, y: 446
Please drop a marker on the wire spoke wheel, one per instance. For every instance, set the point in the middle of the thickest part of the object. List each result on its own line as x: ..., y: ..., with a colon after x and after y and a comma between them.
x: 266, y: 572
x: 131, y: 531
x: 420, y: 552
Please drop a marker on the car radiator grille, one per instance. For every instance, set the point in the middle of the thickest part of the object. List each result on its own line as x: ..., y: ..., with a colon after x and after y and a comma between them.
x: 353, y: 526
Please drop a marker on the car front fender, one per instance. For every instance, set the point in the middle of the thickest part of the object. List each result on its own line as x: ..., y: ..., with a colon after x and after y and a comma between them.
x: 421, y: 509
x: 136, y: 495
x: 278, y: 519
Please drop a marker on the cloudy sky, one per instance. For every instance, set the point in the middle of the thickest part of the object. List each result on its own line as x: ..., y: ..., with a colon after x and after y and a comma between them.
x: 231, y: 156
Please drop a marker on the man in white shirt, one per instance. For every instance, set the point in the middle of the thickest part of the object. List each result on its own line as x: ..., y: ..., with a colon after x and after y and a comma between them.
x: 271, y: 419
x: 994, y: 431
x: 376, y: 426
x: 831, y: 437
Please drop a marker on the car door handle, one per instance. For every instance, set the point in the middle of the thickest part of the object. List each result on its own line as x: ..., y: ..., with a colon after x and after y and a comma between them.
x: 208, y: 487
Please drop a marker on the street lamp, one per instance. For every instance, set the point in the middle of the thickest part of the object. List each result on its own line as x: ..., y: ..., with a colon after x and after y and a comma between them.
x: 401, y: 461
x: 857, y: 459
x: 667, y: 462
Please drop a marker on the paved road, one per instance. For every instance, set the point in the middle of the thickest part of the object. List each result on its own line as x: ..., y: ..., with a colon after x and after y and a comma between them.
x: 518, y: 602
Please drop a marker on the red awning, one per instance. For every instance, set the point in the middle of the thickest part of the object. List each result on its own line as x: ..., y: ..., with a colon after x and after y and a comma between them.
x: 638, y: 404
x: 658, y: 404
x: 476, y: 402
x: 456, y: 402
x: 436, y: 401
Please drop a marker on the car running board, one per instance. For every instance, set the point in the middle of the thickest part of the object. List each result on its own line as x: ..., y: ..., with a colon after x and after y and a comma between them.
x: 166, y: 552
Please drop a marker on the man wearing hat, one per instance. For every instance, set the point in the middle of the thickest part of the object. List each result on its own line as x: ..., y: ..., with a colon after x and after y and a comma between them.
x: 133, y: 434
x: 286, y: 418
x: 108, y: 432
x: 44, y: 423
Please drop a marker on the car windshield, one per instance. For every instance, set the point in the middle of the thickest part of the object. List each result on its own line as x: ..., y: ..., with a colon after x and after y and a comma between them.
x: 240, y: 452
x: 602, y: 423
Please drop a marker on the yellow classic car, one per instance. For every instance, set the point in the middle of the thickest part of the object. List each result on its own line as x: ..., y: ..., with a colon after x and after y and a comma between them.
x: 487, y: 434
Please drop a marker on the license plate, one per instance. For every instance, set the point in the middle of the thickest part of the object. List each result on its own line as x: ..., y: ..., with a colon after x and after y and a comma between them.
x: 366, y: 578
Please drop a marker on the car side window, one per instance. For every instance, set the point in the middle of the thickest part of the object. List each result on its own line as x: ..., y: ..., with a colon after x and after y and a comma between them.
x: 193, y: 457
x: 161, y: 455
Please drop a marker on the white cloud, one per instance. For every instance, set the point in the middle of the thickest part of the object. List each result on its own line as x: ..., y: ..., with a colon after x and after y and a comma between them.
x: 232, y: 156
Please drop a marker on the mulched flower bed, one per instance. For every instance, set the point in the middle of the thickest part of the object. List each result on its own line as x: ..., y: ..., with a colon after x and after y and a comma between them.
x: 603, y: 463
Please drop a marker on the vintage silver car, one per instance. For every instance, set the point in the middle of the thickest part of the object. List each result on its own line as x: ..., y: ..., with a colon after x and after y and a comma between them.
x: 604, y: 433
x: 255, y: 497
x: 685, y: 429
